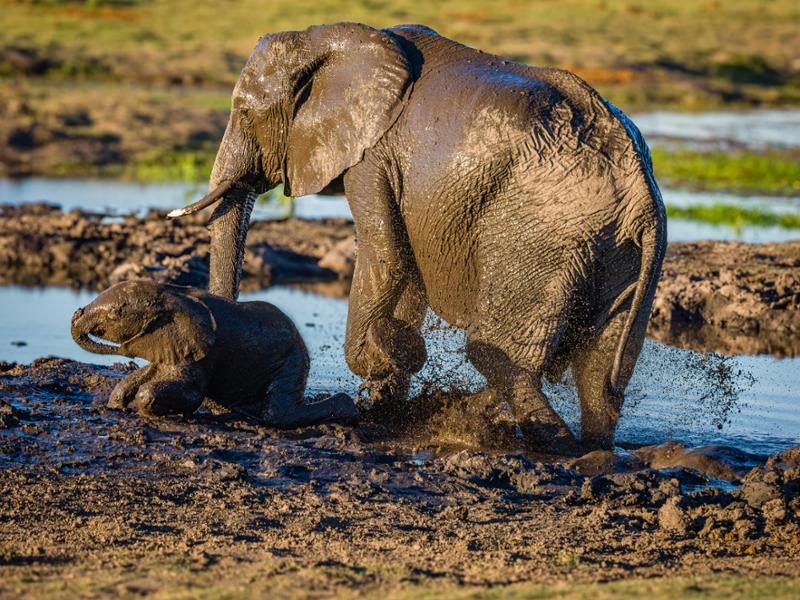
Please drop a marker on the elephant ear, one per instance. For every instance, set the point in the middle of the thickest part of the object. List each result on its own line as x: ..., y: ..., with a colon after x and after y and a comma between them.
x: 182, y: 330
x: 351, y: 91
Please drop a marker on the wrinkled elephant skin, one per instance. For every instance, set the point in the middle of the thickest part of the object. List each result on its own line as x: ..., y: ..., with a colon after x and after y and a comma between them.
x: 514, y: 201
x: 247, y: 357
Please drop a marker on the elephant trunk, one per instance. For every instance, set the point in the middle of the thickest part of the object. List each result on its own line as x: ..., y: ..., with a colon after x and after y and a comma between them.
x: 83, y: 323
x: 237, y: 172
x: 228, y: 226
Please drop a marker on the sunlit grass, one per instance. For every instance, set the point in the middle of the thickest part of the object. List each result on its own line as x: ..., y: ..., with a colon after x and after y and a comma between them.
x: 615, y: 45
x: 737, y: 216
x: 773, y: 172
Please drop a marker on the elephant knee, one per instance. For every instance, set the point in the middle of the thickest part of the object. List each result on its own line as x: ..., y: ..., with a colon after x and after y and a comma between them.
x: 390, y: 345
x: 167, y: 398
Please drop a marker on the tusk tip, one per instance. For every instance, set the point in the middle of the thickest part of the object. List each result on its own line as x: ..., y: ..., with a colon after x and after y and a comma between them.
x: 178, y: 212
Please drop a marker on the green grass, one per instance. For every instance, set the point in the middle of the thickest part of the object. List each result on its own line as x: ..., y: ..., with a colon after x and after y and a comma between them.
x: 653, y: 589
x: 635, y: 51
x: 774, y: 173
x: 726, y: 214
x: 181, y: 582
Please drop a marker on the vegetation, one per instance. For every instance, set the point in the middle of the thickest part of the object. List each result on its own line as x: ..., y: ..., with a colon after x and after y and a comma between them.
x: 772, y: 172
x: 140, y: 88
x: 179, y: 581
x: 728, y: 214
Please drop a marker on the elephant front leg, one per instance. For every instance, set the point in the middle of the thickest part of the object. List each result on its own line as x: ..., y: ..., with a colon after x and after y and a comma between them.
x: 387, y: 301
x: 125, y: 391
x: 172, y: 390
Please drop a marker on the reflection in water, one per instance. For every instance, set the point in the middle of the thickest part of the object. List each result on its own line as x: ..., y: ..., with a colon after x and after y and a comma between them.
x: 708, y: 338
x: 671, y: 395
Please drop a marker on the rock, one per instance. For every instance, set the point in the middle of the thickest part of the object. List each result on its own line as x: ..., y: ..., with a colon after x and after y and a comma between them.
x: 789, y: 459
x: 9, y: 416
x: 671, y: 517
x: 708, y: 459
x: 774, y: 510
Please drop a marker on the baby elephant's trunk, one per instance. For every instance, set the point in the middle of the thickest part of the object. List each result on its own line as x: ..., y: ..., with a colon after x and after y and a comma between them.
x: 84, y: 323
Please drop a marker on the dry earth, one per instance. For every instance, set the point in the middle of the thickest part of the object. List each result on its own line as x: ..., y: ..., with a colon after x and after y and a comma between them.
x: 726, y: 297
x: 86, y: 491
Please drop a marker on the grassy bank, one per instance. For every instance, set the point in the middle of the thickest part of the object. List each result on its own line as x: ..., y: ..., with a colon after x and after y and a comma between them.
x: 141, y: 88
x: 727, y: 214
x: 771, y: 173
x: 368, y: 582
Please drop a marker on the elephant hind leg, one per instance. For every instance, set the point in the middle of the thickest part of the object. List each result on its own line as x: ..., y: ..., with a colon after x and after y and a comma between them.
x: 521, y: 388
x: 591, y: 367
x: 287, y: 408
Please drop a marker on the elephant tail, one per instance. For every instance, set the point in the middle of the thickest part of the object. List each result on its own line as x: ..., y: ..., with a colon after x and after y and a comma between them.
x: 652, y: 241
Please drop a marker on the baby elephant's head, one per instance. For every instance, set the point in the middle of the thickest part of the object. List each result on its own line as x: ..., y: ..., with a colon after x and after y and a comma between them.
x: 157, y: 322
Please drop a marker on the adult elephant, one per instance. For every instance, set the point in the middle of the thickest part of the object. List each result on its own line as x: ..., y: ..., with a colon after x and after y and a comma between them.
x: 514, y: 201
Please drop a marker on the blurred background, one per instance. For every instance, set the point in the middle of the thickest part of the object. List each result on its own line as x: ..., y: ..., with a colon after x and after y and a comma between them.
x: 140, y: 89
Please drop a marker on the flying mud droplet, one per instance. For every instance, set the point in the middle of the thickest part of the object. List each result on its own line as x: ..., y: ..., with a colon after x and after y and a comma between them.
x: 672, y: 389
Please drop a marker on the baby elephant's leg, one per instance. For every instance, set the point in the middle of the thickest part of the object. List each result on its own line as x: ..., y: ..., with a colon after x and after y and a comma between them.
x: 125, y: 391
x: 286, y: 406
x: 172, y: 390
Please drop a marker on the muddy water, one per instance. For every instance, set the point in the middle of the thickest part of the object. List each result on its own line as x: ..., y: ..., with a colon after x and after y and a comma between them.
x: 119, y: 197
x: 675, y: 394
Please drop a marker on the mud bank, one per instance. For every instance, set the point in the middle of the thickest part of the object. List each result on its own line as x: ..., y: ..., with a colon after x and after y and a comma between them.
x: 727, y: 297
x: 42, y: 245
x: 730, y: 297
x: 87, y: 488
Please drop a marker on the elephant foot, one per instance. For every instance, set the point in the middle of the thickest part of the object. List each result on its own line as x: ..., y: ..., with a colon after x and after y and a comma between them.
x: 166, y: 398
x: 385, y: 400
x: 345, y: 410
x: 121, y: 396
x: 550, y: 437
x: 125, y: 391
x: 394, y: 346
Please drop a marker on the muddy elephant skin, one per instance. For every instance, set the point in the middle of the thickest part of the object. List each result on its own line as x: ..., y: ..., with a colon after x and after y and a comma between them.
x: 514, y: 201
x: 247, y: 357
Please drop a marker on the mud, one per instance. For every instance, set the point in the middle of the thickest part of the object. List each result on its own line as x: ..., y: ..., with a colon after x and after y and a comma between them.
x: 86, y: 487
x: 732, y: 297
x: 727, y: 297
x: 41, y: 245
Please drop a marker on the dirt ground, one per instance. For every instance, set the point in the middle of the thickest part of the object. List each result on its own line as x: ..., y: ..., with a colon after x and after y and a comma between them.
x: 726, y: 297
x: 95, y: 501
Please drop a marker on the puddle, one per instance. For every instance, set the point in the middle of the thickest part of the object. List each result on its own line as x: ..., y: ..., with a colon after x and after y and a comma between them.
x: 757, y: 129
x: 667, y: 399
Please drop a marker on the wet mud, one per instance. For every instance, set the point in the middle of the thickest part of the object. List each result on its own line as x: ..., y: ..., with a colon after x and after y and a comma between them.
x: 105, y: 489
x: 727, y: 297
x: 731, y: 296
x: 42, y: 245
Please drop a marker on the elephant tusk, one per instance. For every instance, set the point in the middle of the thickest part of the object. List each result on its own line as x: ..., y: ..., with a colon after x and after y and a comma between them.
x: 204, y: 202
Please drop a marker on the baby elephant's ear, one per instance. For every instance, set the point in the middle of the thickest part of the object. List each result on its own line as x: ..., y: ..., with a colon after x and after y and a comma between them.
x: 180, y: 330
x: 193, y: 328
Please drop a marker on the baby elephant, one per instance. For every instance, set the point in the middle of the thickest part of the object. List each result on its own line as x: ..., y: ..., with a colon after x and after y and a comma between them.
x: 245, y: 356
